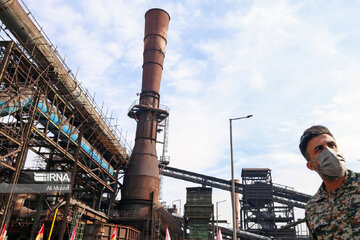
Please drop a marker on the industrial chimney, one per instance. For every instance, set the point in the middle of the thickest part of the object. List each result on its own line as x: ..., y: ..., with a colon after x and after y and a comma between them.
x: 141, y: 180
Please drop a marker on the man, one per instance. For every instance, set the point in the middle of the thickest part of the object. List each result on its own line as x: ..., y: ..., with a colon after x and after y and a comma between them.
x: 334, y: 211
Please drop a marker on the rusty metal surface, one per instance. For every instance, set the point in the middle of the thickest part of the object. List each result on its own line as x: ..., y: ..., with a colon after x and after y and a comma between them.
x: 14, y: 135
x: 168, y: 220
x: 156, y: 27
x: 141, y: 180
x: 18, y: 76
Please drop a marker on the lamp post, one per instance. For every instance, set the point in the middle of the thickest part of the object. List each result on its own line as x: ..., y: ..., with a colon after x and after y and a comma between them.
x: 232, y: 177
x: 178, y: 200
x: 217, y: 216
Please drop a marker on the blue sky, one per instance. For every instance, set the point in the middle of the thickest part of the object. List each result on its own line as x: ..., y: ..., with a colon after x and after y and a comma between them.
x: 291, y: 64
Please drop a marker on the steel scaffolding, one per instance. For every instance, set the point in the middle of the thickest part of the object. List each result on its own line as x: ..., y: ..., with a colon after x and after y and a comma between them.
x: 40, y: 112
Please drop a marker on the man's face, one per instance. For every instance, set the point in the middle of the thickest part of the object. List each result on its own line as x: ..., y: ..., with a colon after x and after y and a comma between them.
x: 316, y: 145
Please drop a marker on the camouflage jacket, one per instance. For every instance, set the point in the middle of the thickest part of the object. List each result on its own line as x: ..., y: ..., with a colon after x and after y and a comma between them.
x: 336, y: 215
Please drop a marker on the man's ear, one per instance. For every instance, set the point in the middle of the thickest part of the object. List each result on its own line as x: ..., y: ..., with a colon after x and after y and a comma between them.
x: 310, y: 166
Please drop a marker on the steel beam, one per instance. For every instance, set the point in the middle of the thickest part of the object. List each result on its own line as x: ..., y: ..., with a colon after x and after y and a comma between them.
x: 41, y: 200
x: 68, y: 195
x: 5, y: 60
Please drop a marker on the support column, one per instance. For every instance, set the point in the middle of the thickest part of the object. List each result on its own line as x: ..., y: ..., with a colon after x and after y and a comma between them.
x: 94, y: 202
x: 5, y: 61
x: 20, y: 160
x: 94, y: 231
x: 100, y: 199
x: 113, y: 195
x: 68, y: 195
x: 42, y: 197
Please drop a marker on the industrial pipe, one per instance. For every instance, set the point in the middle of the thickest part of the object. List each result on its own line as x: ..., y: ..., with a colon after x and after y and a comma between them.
x: 47, y: 115
x: 253, y: 236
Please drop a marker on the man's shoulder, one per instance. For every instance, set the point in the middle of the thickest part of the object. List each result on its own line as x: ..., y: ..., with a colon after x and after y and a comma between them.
x: 336, y: 212
x: 314, y: 203
x: 353, y: 178
x: 317, y: 197
x: 316, y: 209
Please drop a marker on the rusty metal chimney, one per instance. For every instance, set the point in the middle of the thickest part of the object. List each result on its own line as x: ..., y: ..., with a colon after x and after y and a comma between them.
x: 141, y: 180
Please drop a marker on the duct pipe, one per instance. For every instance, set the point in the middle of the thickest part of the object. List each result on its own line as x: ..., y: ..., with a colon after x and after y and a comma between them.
x: 252, y: 236
x: 10, y: 104
x: 141, y: 180
x: 20, y: 210
x: 168, y: 220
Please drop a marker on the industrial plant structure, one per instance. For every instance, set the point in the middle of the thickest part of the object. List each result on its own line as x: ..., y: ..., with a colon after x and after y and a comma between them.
x: 43, y: 109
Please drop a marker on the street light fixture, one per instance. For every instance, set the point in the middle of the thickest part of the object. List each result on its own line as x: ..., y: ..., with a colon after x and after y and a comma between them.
x: 217, y: 216
x: 232, y: 177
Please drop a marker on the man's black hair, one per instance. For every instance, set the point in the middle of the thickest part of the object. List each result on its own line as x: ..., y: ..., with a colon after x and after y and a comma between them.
x: 310, y: 133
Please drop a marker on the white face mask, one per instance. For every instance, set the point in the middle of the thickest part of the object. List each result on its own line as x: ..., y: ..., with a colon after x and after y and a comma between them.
x: 331, y: 164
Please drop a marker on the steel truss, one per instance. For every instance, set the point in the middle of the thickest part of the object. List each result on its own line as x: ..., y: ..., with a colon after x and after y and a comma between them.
x: 259, y: 214
x: 25, y: 86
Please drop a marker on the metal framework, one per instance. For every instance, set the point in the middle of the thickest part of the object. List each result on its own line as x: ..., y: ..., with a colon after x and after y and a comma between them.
x: 62, y: 126
x: 164, y: 159
x: 199, y: 213
x: 281, y: 194
x: 259, y: 214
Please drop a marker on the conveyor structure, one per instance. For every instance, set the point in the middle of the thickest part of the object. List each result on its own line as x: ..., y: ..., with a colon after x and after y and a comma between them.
x: 44, y: 109
x: 281, y: 194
